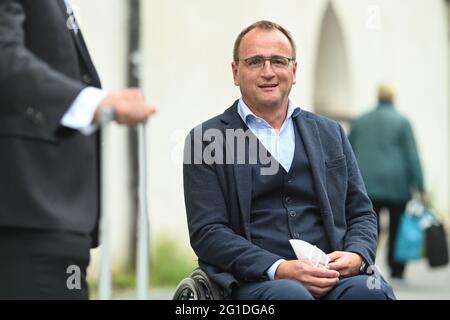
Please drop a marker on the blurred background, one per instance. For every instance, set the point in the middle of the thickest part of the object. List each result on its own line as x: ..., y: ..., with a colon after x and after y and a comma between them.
x: 180, y: 53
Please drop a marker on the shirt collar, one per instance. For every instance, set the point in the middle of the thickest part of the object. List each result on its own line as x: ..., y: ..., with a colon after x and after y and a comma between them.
x: 246, y: 114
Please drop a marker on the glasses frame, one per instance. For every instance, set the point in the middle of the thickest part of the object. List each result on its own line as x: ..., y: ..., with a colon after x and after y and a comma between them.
x: 270, y: 59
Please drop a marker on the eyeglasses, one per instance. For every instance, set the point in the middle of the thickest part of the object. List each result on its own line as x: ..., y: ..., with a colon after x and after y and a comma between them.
x: 258, y: 62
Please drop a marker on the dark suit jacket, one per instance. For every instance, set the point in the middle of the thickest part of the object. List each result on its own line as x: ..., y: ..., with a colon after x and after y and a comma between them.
x: 218, y: 201
x: 384, y: 144
x: 48, y: 173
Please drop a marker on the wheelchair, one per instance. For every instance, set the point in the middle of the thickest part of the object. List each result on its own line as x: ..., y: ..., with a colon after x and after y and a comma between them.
x: 198, y: 286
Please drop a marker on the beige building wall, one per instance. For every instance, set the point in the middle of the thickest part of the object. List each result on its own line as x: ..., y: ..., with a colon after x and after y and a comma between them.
x: 187, y: 53
x: 405, y: 43
x: 187, y: 56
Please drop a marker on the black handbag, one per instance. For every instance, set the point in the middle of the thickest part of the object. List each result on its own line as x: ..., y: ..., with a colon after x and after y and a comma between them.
x: 436, y: 245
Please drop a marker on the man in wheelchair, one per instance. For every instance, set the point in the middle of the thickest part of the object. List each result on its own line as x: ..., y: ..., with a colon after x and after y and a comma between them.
x: 265, y: 172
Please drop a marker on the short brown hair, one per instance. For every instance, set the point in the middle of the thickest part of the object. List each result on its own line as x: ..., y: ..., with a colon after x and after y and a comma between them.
x: 264, y: 25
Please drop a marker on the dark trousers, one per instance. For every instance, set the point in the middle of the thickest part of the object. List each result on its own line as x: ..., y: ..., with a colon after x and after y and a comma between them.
x: 395, y: 212
x: 360, y: 287
x: 43, y: 265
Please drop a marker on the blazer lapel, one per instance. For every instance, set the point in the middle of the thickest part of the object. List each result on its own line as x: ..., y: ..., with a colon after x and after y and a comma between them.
x: 310, y: 134
x: 242, y: 172
x: 80, y: 45
x: 243, y: 178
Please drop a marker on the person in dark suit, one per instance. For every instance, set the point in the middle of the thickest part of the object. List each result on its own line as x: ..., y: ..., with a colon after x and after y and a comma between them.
x: 242, y: 209
x: 49, y: 165
x: 384, y: 145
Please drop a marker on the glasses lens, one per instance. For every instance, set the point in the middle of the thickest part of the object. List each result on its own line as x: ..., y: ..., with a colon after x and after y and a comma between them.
x: 279, y: 62
x: 254, y: 62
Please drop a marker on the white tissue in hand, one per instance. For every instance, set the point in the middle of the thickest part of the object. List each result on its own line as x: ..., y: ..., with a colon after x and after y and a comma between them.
x: 305, y: 250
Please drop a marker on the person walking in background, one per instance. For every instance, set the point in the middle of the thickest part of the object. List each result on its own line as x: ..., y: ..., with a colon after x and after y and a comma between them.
x: 242, y: 217
x: 50, y: 99
x: 385, y: 148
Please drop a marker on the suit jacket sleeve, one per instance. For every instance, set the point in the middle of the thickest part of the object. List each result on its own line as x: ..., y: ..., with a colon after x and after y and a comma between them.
x: 212, y: 238
x: 26, y: 80
x: 361, y: 236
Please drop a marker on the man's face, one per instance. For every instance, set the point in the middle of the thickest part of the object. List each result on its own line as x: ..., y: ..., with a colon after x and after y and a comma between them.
x: 268, y: 86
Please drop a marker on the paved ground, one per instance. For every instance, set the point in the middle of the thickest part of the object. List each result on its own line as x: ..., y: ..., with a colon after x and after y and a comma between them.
x: 154, y: 294
x: 421, y: 282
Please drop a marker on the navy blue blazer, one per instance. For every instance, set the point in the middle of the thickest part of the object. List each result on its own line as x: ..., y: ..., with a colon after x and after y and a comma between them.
x: 218, y: 201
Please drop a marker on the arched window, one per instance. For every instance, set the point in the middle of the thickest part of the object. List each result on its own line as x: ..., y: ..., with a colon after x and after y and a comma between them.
x: 332, y: 96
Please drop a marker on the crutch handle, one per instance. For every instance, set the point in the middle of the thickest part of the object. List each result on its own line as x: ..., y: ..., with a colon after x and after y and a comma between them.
x: 107, y: 114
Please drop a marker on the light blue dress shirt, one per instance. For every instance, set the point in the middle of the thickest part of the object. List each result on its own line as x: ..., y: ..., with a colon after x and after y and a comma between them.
x: 280, y: 145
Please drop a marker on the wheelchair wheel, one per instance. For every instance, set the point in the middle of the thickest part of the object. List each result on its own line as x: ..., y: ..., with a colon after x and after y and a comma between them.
x: 209, y: 290
x: 189, y: 289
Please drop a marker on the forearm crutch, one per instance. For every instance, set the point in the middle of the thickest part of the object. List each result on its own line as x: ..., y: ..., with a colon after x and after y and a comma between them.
x: 142, y: 257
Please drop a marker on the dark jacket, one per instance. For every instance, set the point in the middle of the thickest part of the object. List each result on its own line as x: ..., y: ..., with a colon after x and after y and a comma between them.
x: 218, y: 201
x: 384, y: 145
x: 49, y: 174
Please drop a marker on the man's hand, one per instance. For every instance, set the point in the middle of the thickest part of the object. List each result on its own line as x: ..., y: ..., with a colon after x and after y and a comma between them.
x: 129, y: 107
x: 347, y: 263
x: 318, y: 280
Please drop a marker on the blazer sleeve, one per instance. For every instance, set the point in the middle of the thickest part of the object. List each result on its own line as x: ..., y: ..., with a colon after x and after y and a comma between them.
x: 361, y: 236
x: 412, y: 159
x: 26, y: 80
x: 211, y: 236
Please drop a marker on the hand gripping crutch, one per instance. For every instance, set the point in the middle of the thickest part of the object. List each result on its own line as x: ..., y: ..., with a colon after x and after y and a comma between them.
x: 142, y: 258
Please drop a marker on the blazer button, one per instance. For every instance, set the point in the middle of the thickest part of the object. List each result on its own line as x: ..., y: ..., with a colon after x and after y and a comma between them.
x: 29, y: 111
x: 292, y: 214
x: 87, y: 78
x: 39, y: 117
x: 288, y: 199
x: 296, y: 235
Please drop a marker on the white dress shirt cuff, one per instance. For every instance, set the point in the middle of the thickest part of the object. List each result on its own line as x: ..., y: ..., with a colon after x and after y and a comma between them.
x: 81, y: 113
x: 271, y: 271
